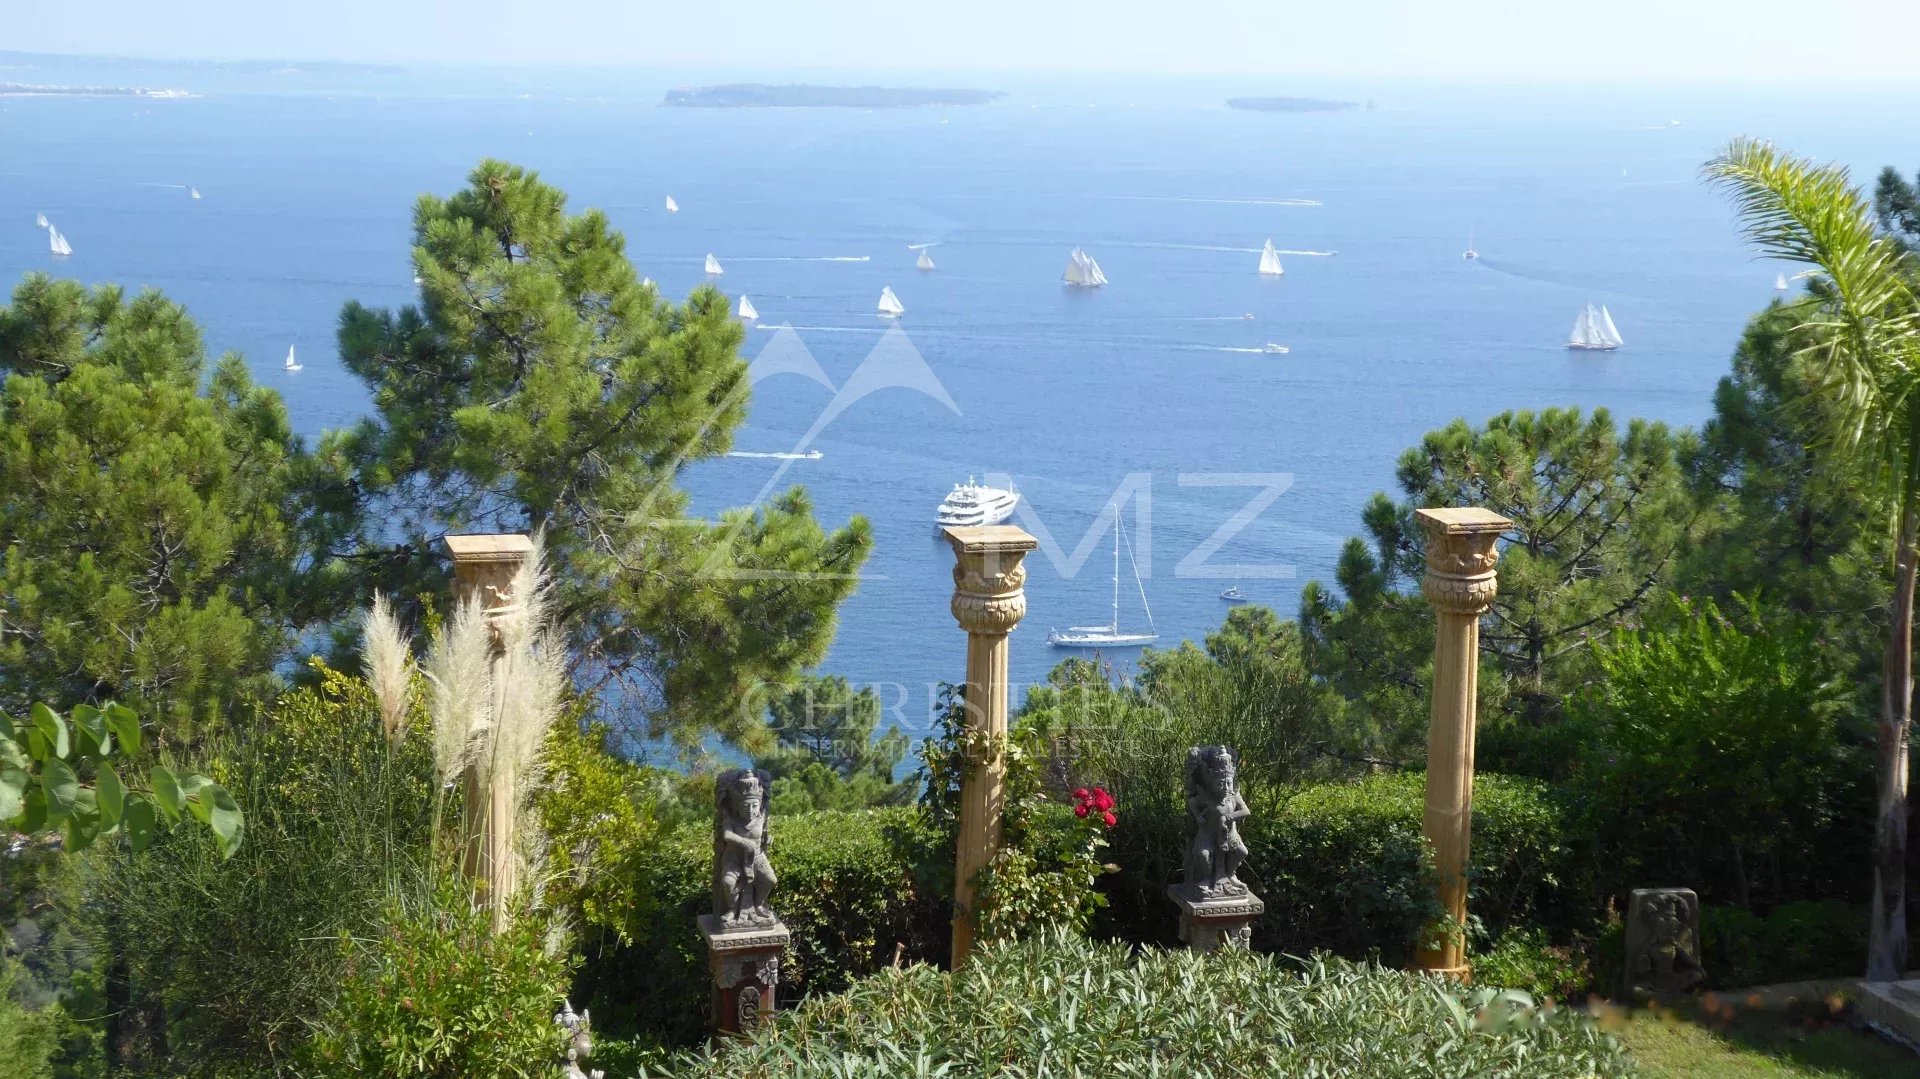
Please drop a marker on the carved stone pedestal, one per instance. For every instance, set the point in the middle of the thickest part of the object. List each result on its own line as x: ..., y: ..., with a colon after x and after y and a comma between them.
x: 1207, y: 925
x: 745, y: 962
x: 1663, y: 944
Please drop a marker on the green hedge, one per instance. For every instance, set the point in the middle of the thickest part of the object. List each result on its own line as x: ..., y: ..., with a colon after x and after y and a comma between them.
x: 846, y: 891
x: 1070, y: 1007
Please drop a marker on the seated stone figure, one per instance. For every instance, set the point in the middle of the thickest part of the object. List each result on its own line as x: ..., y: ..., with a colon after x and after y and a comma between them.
x: 1663, y: 943
x: 742, y: 876
x: 1214, y: 803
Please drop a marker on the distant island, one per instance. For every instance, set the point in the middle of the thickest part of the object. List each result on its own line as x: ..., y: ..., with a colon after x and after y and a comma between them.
x: 1289, y: 104
x: 756, y: 95
x: 23, y: 89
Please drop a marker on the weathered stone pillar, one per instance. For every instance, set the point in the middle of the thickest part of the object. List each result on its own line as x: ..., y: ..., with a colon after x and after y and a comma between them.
x: 988, y: 601
x: 1460, y: 584
x: 483, y: 570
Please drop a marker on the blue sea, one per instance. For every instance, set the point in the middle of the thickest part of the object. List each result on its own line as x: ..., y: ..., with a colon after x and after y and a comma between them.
x: 1155, y: 389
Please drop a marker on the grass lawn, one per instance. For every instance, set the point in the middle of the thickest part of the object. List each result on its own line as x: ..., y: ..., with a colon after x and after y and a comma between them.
x: 1689, y: 1044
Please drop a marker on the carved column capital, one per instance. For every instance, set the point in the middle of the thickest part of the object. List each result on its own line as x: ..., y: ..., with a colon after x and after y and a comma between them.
x: 1462, y: 547
x: 989, y: 576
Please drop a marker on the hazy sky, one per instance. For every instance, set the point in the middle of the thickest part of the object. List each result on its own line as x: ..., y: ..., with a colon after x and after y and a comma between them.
x: 1782, y: 42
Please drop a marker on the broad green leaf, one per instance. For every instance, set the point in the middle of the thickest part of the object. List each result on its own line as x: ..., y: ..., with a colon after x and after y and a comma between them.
x: 62, y: 788
x: 112, y: 796
x: 53, y: 729
x: 14, y: 753
x: 223, y: 817
x: 95, y: 740
x: 14, y: 782
x: 140, y: 822
x: 9, y: 730
x: 33, y: 817
x: 192, y: 783
x: 83, y: 826
x: 125, y: 726
x: 166, y: 794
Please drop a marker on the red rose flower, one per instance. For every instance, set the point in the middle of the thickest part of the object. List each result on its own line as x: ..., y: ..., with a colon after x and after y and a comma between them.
x: 1081, y: 793
x: 1101, y: 799
x: 1081, y: 810
x: 1110, y: 819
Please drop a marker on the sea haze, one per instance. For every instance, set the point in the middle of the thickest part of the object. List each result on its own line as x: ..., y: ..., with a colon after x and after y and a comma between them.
x: 308, y: 183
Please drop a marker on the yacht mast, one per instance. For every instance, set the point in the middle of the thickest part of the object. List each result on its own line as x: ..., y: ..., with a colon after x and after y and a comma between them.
x: 1116, y: 569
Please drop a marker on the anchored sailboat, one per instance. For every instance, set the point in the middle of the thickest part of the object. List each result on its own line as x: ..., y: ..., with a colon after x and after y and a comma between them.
x: 890, y: 305
x: 1109, y: 636
x: 713, y: 265
x: 292, y: 364
x: 747, y: 313
x: 1270, y: 260
x: 1082, y: 271
x: 672, y: 206
x: 1469, y: 254
x: 193, y: 192
x: 1780, y: 283
x: 40, y: 220
x: 1594, y: 331
x: 57, y: 243
x: 925, y: 261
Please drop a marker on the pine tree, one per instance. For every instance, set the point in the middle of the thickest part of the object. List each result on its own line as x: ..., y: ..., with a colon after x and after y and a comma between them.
x: 158, y: 539
x: 540, y: 385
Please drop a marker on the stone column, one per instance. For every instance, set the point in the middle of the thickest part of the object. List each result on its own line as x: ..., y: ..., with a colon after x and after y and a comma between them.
x: 1460, y: 584
x: 483, y: 571
x: 988, y: 601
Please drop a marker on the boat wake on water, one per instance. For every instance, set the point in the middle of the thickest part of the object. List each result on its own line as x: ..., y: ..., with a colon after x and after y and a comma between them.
x: 1216, y: 201
x: 809, y: 455
x: 800, y: 258
x: 828, y: 329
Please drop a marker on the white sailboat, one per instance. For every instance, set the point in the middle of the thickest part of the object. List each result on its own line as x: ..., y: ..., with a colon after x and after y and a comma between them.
x: 292, y: 364
x: 713, y: 265
x: 925, y: 261
x: 57, y: 243
x: 193, y: 192
x: 1270, y: 260
x: 40, y: 220
x: 1780, y: 283
x: 1469, y: 254
x: 672, y: 206
x: 1594, y: 331
x: 645, y: 282
x: 890, y: 305
x: 1110, y: 636
x: 747, y: 313
x: 1082, y: 271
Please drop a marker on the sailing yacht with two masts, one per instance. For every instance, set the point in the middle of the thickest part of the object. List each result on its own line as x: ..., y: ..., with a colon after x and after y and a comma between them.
x: 1594, y: 331
x: 1270, y: 260
x: 57, y: 243
x: 890, y: 305
x: 1082, y: 271
x: 747, y: 311
x: 713, y: 265
x: 1110, y: 635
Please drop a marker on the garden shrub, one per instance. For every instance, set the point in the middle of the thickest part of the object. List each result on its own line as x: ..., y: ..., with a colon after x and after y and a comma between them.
x: 1061, y: 1005
x: 1524, y: 959
x: 846, y: 891
x: 1344, y: 867
x: 1794, y: 942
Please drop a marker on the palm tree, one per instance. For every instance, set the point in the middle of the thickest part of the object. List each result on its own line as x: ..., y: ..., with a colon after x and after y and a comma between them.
x: 1864, y: 369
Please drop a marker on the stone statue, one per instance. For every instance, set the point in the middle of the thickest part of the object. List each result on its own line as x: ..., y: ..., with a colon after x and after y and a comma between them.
x: 1214, y: 802
x: 1663, y: 943
x: 742, y: 876
x: 579, y: 1040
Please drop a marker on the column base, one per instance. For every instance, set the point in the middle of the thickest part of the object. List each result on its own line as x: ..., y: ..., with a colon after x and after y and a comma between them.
x: 1209, y: 924
x: 745, y: 961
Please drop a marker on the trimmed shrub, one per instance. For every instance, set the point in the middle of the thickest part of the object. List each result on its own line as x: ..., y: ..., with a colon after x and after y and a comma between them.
x: 1524, y: 959
x: 846, y: 890
x: 1065, y: 1006
x: 1344, y: 867
x: 1795, y: 942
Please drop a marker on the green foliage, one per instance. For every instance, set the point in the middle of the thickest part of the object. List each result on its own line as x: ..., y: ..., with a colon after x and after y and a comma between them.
x: 540, y: 385
x: 1344, y: 866
x: 1524, y: 959
x: 1686, y: 731
x: 600, y: 813
x: 161, y: 541
x: 57, y: 776
x: 28, y: 1039
x: 1598, y: 516
x: 846, y: 891
x: 1793, y: 942
x: 438, y: 994
x: 825, y: 755
x: 235, y: 956
x: 1063, y: 1006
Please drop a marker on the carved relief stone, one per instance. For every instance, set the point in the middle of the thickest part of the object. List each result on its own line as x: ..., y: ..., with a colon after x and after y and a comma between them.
x: 1663, y: 943
x: 989, y: 577
x: 1216, y: 908
x: 1462, y: 547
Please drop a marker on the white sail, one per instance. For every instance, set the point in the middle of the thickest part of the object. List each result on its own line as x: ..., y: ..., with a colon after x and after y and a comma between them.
x: 40, y: 220
x: 672, y: 206
x: 925, y: 262
x: 1609, y: 333
x: 1780, y: 283
x: 713, y: 265
x: 292, y: 364
x: 746, y: 309
x: 890, y: 305
x: 1469, y: 253
x: 1270, y: 261
x: 1095, y: 276
x: 1110, y: 635
x: 1585, y: 334
x: 57, y: 243
x: 193, y: 192
x: 645, y: 282
x: 1082, y: 271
